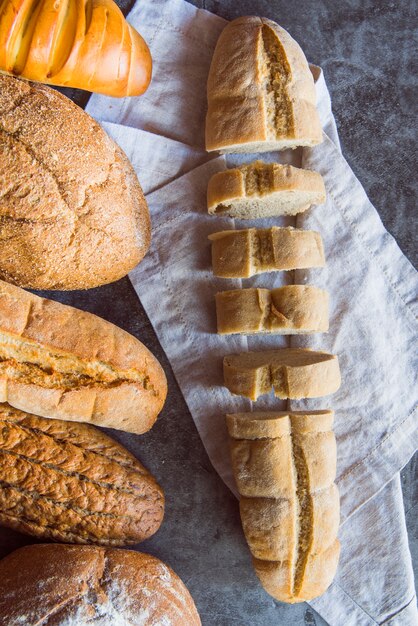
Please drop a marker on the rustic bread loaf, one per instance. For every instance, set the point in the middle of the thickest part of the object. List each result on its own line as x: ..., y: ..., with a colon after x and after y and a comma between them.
x: 61, y: 585
x: 70, y: 482
x: 288, y: 310
x: 291, y: 372
x: 284, y: 466
x: 57, y: 361
x: 72, y: 212
x: 244, y: 253
x: 261, y: 93
x: 259, y: 190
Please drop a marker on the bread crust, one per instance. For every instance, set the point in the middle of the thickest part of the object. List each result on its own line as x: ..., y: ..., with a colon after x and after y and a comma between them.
x: 286, y: 310
x: 290, y: 372
x: 59, y: 362
x: 70, y: 482
x: 77, y: 584
x: 284, y: 465
x: 261, y: 94
x: 72, y: 213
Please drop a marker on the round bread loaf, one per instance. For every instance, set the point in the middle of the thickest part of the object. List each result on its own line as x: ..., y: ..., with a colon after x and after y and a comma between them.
x: 61, y: 585
x: 72, y: 212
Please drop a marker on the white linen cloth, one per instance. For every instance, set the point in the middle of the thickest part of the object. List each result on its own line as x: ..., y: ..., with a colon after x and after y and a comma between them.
x: 373, y: 292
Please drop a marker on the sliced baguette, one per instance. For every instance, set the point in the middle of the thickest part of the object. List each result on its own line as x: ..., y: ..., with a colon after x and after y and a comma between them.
x: 284, y: 466
x: 261, y: 93
x: 291, y: 372
x: 259, y: 190
x: 244, y: 253
x: 292, y: 309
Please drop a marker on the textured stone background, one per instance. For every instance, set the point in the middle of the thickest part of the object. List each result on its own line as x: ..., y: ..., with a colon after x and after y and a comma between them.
x: 365, y: 49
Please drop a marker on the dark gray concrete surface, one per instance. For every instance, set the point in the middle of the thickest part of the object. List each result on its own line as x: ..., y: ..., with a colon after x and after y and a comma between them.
x: 365, y: 49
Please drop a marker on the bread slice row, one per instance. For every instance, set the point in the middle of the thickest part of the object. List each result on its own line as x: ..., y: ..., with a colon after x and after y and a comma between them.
x: 259, y: 190
x: 292, y: 309
x: 284, y: 466
x: 245, y: 253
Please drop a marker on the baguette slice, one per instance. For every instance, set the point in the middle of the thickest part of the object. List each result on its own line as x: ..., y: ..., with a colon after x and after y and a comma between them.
x: 259, y: 190
x: 261, y: 93
x: 291, y: 372
x: 289, y: 310
x: 59, y: 362
x: 284, y: 466
x: 244, y: 253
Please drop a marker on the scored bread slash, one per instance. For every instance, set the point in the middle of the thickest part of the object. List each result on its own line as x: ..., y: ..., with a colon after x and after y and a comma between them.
x: 291, y: 372
x: 292, y: 309
x: 245, y: 253
x: 260, y: 190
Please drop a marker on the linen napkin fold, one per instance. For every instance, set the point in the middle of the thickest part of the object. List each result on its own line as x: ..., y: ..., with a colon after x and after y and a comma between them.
x: 372, y: 288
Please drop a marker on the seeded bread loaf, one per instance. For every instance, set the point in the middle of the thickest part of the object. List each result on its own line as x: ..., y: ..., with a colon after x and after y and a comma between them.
x: 59, y: 362
x: 288, y: 310
x: 290, y: 372
x: 70, y: 482
x: 72, y: 212
x: 259, y: 190
x: 61, y: 585
x: 244, y: 253
x: 261, y: 93
x: 284, y: 466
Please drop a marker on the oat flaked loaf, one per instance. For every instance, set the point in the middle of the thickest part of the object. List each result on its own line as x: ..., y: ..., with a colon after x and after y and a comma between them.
x: 259, y: 190
x: 244, y: 253
x: 284, y: 466
x: 261, y: 93
x: 290, y: 372
x: 70, y: 482
x: 62, y: 585
x: 288, y: 310
x: 72, y: 212
x: 59, y: 362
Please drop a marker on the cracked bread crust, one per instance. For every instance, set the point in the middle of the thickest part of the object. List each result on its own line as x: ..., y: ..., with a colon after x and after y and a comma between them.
x: 261, y: 93
x: 70, y: 482
x: 59, y: 362
x: 58, y: 585
x: 72, y: 212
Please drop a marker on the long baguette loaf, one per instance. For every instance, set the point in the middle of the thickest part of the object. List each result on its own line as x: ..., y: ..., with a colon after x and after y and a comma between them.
x: 284, y: 466
x: 259, y: 190
x: 244, y: 253
x: 59, y: 362
x: 70, y: 482
x: 62, y: 585
x: 86, y: 44
x: 292, y: 309
x: 291, y: 372
x: 72, y: 212
x: 261, y: 94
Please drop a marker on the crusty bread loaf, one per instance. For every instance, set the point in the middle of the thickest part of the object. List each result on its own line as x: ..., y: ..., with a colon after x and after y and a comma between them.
x: 291, y: 372
x: 62, y: 585
x: 72, y: 212
x: 244, y: 253
x: 70, y: 482
x: 261, y: 93
x: 259, y: 190
x: 284, y: 466
x: 288, y: 310
x: 57, y: 361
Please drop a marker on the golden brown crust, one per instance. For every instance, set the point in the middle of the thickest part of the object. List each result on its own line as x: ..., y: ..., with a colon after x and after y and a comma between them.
x: 284, y: 465
x: 72, y: 213
x: 244, y: 253
x: 70, y: 482
x: 261, y: 94
x: 291, y: 372
x: 64, y: 584
x: 59, y: 362
x: 286, y: 310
